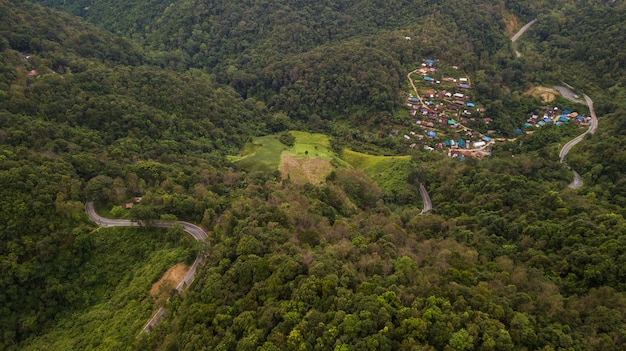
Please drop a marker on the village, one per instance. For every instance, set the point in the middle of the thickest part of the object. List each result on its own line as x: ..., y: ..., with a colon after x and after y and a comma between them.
x: 442, y: 105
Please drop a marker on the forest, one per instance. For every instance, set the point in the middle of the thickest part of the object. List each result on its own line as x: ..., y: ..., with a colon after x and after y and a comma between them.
x: 114, y: 101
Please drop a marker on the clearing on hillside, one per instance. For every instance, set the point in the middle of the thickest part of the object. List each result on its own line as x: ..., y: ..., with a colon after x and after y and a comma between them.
x: 390, y: 172
x: 545, y: 93
x: 305, y: 170
x: 512, y: 22
x: 168, y: 281
x: 262, y: 154
x: 310, y: 159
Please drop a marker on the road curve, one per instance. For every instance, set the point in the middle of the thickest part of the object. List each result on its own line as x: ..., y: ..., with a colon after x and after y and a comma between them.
x: 577, y: 182
x: 191, y: 229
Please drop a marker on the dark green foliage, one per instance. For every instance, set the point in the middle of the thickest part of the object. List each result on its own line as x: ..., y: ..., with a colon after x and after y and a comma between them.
x: 287, y: 139
x: 508, y: 259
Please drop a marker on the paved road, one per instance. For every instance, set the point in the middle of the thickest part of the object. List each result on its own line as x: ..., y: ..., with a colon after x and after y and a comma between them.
x: 568, y: 94
x: 193, y: 230
x: 522, y: 30
x: 428, y: 204
x: 577, y: 183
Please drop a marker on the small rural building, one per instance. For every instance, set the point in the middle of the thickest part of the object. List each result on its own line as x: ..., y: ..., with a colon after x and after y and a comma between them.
x: 479, y: 144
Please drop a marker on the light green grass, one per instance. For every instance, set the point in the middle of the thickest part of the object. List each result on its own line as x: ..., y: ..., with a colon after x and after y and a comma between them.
x: 262, y: 155
x: 265, y: 154
x: 390, y: 172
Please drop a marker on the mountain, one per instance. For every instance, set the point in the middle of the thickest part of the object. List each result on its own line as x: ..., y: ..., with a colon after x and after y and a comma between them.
x: 149, y: 104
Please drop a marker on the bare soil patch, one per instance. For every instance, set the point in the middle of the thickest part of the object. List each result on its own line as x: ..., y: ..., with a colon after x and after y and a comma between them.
x: 304, y: 170
x: 169, y: 280
x: 512, y: 23
x: 546, y: 94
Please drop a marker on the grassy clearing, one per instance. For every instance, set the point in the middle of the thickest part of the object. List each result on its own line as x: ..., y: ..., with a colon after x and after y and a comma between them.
x: 311, y: 159
x: 390, y: 172
x: 262, y: 155
x: 308, y: 160
x: 123, y: 265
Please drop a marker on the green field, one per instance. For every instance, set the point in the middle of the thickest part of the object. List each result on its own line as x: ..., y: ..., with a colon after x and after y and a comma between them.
x: 267, y: 154
x: 262, y: 155
x: 390, y: 172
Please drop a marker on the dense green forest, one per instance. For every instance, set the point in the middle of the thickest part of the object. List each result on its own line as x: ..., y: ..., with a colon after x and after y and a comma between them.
x: 149, y: 104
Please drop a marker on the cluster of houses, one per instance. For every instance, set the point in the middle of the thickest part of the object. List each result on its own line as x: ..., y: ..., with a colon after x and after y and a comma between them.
x: 558, y: 117
x: 449, y: 107
x: 444, y: 107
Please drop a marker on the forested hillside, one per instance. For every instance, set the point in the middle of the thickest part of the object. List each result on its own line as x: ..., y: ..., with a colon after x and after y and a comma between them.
x: 142, y: 112
x: 82, y: 111
x: 290, y: 52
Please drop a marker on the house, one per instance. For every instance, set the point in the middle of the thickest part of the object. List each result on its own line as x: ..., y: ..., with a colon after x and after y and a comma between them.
x: 486, y: 138
x: 414, y: 99
x: 129, y: 205
x: 478, y: 144
x: 32, y: 73
x: 463, y: 86
x: 459, y: 102
x: 463, y: 80
x: 458, y: 95
x: 429, y: 124
x: 448, y: 94
x: 470, y: 104
x: 430, y: 62
x: 413, y: 112
x: 407, y: 137
x: 428, y: 79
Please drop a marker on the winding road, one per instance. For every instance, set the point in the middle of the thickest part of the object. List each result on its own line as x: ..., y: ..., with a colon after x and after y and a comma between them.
x: 193, y: 230
x: 577, y: 182
x: 568, y: 94
x: 519, y: 34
